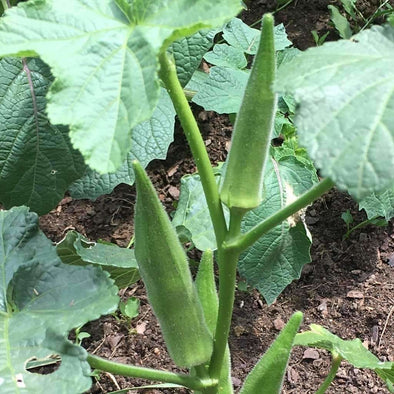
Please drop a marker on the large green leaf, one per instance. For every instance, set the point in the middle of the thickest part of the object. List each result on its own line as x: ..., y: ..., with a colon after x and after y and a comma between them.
x: 192, y: 212
x: 188, y: 53
x: 268, y: 374
x: 223, y: 90
x: 379, y: 204
x: 103, y: 54
x: 346, y: 112
x: 150, y: 140
x: 226, y: 56
x: 41, y: 300
x: 352, y: 351
x: 37, y: 161
x: 121, y: 264
x: 240, y: 35
x: 277, y: 258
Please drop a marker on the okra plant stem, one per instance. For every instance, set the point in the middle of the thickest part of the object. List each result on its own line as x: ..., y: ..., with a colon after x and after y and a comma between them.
x: 336, y: 362
x: 191, y: 382
x: 170, y: 79
x: 6, y: 4
x: 227, y: 261
x: 246, y: 240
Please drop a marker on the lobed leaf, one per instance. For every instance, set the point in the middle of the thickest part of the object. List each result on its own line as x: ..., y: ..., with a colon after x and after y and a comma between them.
x: 41, y: 299
x: 379, y: 204
x: 226, y: 56
x: 277, y: 258
x: 192, y: 212
x: 240, y: 35
x: 352, y: 351
x: 120, y: 263
x: 150, y: 140
x: 104, y: 57
x: 223, y: 90
x: 188, y: 53
x: 346, y: 108
x: 37, y: 161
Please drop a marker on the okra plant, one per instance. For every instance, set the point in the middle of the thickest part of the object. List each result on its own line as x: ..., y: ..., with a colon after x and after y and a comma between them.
x: 111, y: 64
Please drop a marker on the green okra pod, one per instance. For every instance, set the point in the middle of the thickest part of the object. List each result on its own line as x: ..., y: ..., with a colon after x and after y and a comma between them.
x: 165, y: 271
x: 243, y: 180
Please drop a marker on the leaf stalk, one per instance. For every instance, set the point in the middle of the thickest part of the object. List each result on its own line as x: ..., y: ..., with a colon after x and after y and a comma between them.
x: 336, y: 362
x: 244, y: 241
x: 191, y: 382
x: 169, y: 77
x: 227, y: 261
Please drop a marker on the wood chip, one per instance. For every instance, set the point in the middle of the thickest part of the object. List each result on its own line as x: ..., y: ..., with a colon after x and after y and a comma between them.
x: 311, y: 354
x: 355, y: 294
x: 141, y: 327
x: 292, y: 375
x: 174, y: 192
x: 323, y: 307
x: 279, y: 324
x: 173, y: 170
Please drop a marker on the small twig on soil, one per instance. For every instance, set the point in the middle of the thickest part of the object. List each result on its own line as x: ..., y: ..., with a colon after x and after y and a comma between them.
x: 385, y: 325
x: 101, y: 387
x: 99, y: 346
x: 112, y: 377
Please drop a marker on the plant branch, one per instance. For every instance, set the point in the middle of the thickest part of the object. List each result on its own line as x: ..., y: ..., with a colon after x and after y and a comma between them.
x: 169, y: 76
x: 5, y: 4
x: 227, y: 261
x: 336, y: 362
x: 149, y: 373
x: 246, y: 240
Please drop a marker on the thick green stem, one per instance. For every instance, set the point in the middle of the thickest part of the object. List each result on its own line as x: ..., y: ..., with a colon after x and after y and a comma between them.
x: 169, y: 76
x: 227, y: 260
x: 5, y: 4
x: 246, y: 240
x: 336, y: 361
x: 149, y: 373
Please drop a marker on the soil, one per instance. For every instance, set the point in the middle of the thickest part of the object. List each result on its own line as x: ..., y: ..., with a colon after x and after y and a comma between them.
x: 348, y: 288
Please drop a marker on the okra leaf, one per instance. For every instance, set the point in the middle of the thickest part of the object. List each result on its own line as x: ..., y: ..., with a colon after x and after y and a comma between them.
x: 41, y: 299
x: 223, y: 90
x: 37, y: 161
x: 149, y: 141
x: 346, y: 101
x: 240, y: 35
x: 120, y: 263
x: 100, y: 51
x: 192, y: 212
x: 340, y: 22
x: 379, y: 204
x: 226, y: 56
x: 271, y: 368
x: 352, y: 351
x: 189, y: 51
x: 277, y: 258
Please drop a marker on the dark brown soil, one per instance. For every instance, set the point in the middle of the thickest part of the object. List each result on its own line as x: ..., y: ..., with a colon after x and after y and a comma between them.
x: 348, y: 288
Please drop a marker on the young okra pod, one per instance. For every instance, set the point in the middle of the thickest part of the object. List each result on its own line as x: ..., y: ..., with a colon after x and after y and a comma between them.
x: 165, y: 271
x: 243, y: 180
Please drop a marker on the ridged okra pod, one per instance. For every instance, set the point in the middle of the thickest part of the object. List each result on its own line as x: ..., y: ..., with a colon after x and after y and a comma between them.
x: 165, y: 271
x: 243, y: 180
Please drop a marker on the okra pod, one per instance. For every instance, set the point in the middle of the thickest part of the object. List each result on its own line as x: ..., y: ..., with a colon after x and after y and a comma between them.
x: 165, y: 271
x: 243, y: 179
